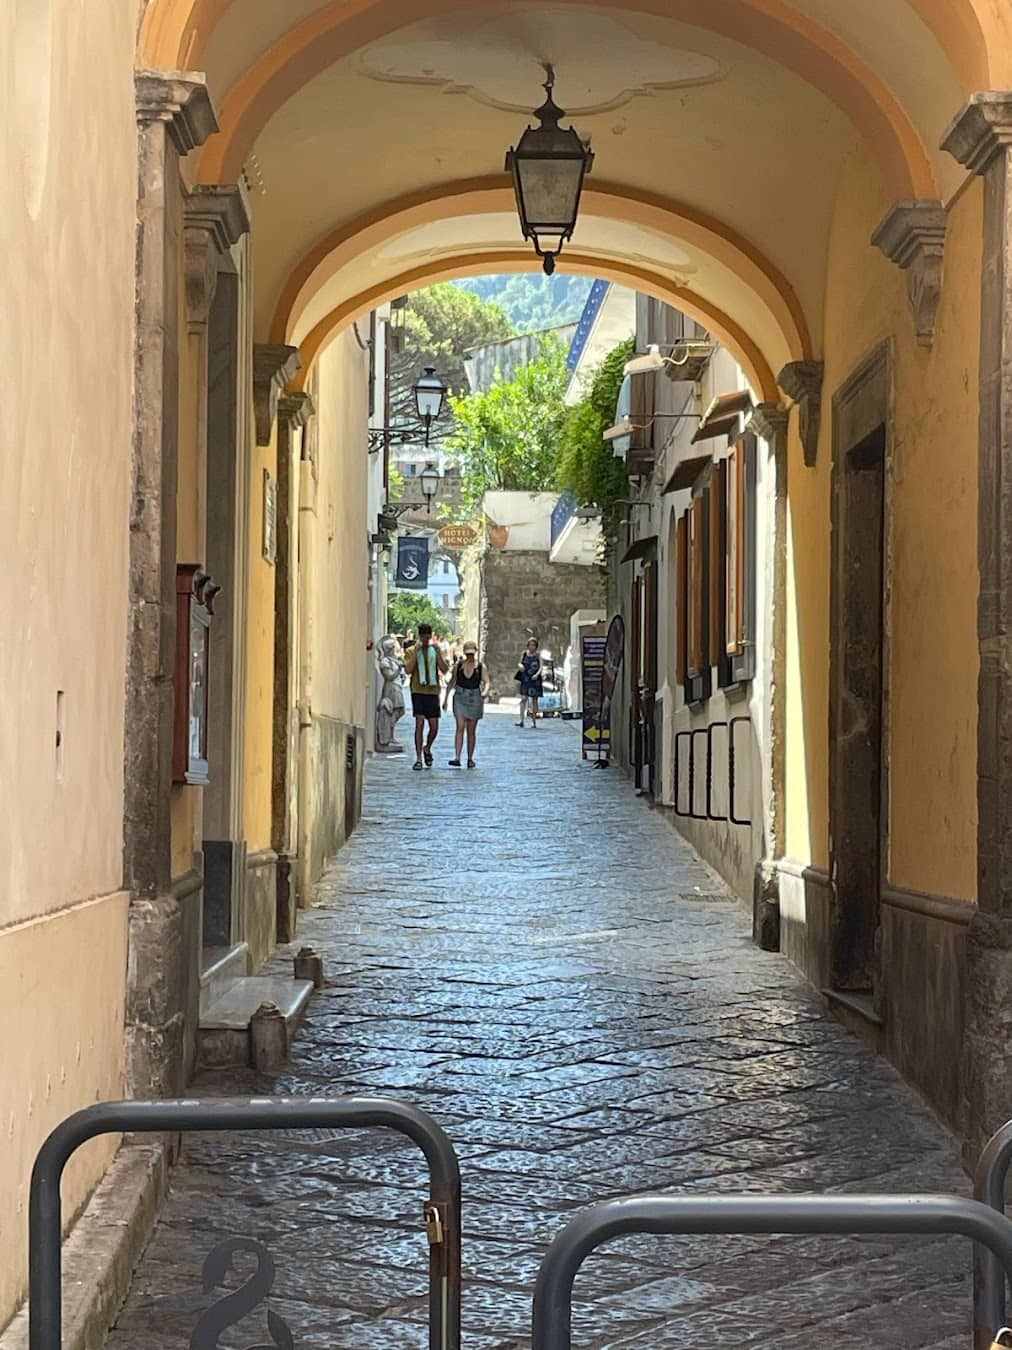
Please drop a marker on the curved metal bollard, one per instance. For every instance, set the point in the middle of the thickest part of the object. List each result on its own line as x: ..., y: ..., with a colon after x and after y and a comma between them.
x: 553, y: 1293
x: 989, y: 1181
x: 45, y: 1301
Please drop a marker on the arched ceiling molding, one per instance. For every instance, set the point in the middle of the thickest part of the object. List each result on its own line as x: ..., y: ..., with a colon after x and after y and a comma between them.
x: 745, y: 351
x: 174, y: 34
x: 480, y: 196
x: 768, y: 26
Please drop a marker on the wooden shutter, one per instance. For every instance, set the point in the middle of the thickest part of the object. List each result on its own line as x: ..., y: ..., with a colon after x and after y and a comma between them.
x: 717, y: 566
x: 736, y: 516
x: 697, y: 567
x: 681, y: 597
x: 636, y: 641
x: 650, y: 626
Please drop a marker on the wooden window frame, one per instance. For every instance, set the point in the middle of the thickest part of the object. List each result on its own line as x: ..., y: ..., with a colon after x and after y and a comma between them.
x: 681, y: 596
x: 739, y: 653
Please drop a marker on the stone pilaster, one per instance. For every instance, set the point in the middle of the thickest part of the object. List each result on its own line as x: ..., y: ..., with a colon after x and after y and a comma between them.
x: 980, y: 138
x: 274, y: 364
x: 769, y: 422
x: 174, y: 115
x: 912, y: 235
x: 294, y: 411
x: 802, y: 381
x: 216, y: 218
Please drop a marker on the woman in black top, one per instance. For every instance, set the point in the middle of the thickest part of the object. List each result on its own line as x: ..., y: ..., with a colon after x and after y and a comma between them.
x: 469, y: 686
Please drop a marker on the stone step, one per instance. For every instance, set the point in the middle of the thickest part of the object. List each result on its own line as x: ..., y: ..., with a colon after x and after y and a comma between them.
x: 225, y: 1040
x: 222, y: 966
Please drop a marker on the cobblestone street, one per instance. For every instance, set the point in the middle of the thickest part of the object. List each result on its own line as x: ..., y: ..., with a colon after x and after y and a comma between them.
x: 536, y: 958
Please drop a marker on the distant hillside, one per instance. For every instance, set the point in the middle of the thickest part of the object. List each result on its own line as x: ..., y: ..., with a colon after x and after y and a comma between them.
x: 531, y: 300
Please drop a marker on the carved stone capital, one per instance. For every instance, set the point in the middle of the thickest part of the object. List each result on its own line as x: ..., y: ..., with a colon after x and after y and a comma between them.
x: 296, y: 409
x: 215, y: 219
x: 769, y: 420
x: 802, y: 381
x: 912, y: 235
x: 274, y: 364
x: 981, y: 130
x: 180, y: 100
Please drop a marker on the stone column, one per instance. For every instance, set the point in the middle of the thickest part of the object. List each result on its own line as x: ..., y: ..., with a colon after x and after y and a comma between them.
x: 769, y: 422
x: 294, y: 412
x: 981, y: 139
x: 174, y: 115
x: 217, y: 218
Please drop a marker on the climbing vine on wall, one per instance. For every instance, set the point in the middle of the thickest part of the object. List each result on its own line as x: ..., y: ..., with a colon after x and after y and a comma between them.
x: 585, y: 463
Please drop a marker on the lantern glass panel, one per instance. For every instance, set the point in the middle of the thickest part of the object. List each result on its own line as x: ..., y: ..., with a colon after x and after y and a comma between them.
x: 429, y: 392
x: 549, y: 190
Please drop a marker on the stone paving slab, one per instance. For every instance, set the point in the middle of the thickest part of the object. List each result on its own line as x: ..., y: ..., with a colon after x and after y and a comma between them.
x: 536, y: 958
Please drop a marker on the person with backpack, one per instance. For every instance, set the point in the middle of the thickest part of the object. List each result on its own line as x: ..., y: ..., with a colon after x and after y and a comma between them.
x: 469, y: 684
x: 425, y: 664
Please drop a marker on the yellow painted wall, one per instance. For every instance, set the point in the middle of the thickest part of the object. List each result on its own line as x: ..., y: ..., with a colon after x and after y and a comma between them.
x: 69, y: 1055
x: 933, y: 670
x: 260, y: 659
x: 340, y: 586
x: 933, y: 746
x: 68, y: 168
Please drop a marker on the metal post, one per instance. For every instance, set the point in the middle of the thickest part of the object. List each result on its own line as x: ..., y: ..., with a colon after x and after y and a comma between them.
x: 45, y: 1304
x: 989, y: 1181
x: 746, y: 1214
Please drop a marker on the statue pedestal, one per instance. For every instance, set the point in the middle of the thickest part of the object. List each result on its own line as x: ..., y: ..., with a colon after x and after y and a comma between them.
x: 392, y: 749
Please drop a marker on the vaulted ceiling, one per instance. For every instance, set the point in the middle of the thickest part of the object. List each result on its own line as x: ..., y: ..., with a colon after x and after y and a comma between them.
x: 372, y: 133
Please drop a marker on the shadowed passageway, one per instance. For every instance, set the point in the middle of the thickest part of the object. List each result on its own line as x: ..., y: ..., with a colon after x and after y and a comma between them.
x: 533, y: 956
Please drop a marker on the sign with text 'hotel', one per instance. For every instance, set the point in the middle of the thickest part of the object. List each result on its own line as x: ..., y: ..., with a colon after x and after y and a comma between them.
x: 457, y: 536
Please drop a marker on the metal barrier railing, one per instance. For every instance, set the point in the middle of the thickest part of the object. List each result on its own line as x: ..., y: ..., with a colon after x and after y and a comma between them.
x: 441, y: 1214
x: 552, y: 1322
x: 690, y: 812
x: 989, y: 1182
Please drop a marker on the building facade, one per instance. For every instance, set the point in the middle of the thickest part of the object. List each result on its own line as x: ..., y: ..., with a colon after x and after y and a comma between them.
x: 191, y: 233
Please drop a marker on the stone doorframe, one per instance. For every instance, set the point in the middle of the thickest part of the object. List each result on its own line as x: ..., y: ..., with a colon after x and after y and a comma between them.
x: 862, y: 406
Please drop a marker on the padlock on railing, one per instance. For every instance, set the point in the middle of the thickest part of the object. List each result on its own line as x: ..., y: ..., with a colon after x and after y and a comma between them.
x: 1002, y: 1339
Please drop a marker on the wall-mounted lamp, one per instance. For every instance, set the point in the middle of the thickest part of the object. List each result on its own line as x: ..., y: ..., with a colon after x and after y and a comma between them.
x: 429, y: 480
x: 429, y: 394
x: 626, y: 426
x: 682, y: 353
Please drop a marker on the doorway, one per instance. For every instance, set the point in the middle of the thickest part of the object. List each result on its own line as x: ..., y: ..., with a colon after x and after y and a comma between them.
x: 858, y: 802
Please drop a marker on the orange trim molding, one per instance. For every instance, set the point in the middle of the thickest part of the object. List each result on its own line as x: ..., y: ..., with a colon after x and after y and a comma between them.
x: 768, y: 26
x: 174, y: 34
x: 721, y: 325
x: 477, y: 196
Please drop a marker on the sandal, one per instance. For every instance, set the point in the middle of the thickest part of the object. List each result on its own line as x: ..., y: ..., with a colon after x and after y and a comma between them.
x: 428, y: 758
x: 417, y: 764
x: 519, y: 724
x: 470, y: 763
x: 454, y: 763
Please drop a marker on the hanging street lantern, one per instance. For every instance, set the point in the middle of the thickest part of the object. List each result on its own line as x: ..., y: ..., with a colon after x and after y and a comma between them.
x: 429, y: 482
x: 429, y: 394
x: 548, y: 167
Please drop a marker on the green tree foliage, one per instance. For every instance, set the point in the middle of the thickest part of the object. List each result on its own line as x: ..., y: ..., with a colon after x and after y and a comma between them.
x: 586, y: 465
x: 440, y: 323
x: 407, y: 609
x: 532, y: 301
x: 506, y: 437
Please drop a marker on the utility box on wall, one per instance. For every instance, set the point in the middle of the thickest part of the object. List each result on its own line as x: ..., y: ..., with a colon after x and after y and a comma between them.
x: 195, y: 592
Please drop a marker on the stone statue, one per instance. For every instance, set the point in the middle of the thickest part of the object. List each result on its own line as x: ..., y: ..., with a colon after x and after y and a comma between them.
x: 390, y: 708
